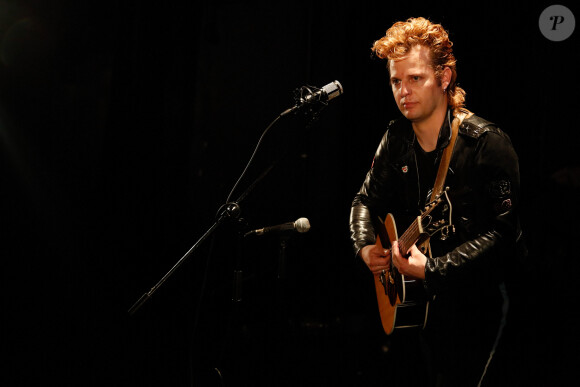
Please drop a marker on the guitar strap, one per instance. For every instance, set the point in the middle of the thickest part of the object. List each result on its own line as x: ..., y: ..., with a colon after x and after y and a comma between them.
x: 446, y: 157
x: 444, y: 163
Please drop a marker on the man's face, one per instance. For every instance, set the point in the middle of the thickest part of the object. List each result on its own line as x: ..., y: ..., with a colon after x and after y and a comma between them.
x: 415, y: 88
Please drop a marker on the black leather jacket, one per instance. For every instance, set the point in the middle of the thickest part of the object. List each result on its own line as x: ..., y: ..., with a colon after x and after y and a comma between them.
x: 483, y: 181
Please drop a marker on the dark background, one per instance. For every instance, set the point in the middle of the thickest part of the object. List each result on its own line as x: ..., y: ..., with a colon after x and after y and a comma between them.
x: 125, y: 124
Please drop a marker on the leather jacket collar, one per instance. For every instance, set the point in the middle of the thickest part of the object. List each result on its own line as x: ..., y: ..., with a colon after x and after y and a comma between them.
x: 443, y: 138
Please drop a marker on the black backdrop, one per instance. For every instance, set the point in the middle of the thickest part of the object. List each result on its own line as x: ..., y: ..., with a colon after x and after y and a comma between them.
x: 124, y: 126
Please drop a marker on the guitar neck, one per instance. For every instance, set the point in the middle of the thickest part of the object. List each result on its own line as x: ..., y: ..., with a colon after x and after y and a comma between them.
x: 413, y: 233
x: 409, y: 237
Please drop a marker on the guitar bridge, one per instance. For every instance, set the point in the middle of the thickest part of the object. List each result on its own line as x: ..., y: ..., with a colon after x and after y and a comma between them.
x: 383, y: 281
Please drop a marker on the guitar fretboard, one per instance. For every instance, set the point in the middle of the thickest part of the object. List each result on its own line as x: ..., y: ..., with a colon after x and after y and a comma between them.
x: 413, y: 233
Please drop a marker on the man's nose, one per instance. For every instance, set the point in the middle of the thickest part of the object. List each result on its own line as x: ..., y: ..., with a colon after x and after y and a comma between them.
x: 405, y: 89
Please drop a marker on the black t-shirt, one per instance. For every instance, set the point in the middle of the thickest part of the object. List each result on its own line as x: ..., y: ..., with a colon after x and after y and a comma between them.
x: 427, y: 165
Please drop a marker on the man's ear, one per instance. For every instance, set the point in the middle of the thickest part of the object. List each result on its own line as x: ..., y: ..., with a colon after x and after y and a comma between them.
x: 446, y: 78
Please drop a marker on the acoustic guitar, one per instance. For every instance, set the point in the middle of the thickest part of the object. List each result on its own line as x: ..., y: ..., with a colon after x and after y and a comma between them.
x: 401, y: 299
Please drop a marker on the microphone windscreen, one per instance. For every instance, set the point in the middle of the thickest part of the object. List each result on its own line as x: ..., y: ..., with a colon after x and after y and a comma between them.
x: 333, y: 89
x: 302, y: 225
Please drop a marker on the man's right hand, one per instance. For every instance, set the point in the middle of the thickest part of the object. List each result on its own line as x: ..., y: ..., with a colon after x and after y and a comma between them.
x: 376, y: 258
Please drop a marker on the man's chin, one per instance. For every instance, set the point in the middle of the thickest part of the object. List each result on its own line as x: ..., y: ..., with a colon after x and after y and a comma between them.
x: 411, y: 116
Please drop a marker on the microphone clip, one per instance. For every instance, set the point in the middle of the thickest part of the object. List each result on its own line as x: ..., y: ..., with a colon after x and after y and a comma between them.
x: 311, y: 100
x: 309, y: 95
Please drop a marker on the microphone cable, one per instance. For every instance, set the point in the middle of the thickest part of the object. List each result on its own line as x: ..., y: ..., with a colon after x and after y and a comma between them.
x: 252, y: 157
x: 306, y: 95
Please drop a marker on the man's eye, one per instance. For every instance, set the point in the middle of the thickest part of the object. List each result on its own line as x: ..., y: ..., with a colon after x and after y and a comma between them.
x: 395, y: 81
x: 416, y: 78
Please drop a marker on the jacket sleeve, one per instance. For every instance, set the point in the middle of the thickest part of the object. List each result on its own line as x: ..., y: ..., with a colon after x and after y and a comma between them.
x: 370, y: 201
x: 487, y: 253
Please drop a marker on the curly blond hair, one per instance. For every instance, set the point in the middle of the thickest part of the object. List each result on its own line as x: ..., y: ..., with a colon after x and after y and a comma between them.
x: 402, y: 36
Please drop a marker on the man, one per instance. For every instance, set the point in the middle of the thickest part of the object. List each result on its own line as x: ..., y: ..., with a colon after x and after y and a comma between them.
x: 463, y: 276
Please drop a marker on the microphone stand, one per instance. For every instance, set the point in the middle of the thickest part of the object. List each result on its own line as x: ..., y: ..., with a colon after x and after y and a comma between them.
x: 281, y: 278
x: 282, y: 257
x: 227, y: 211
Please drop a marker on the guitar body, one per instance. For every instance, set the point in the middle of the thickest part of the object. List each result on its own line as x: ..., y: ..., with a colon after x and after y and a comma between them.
x: 401, y: 300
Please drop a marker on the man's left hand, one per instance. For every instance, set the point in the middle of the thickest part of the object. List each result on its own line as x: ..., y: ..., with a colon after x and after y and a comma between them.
x: 414, y: 266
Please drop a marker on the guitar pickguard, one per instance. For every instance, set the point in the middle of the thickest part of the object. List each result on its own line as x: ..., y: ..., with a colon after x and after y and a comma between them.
x: 438, y: 217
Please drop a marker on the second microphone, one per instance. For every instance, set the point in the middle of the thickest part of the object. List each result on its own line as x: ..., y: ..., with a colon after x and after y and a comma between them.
x: 301, y: 225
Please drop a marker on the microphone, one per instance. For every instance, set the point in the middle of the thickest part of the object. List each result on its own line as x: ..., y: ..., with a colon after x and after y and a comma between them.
x: 300, y: 225
x: 309, y: 95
